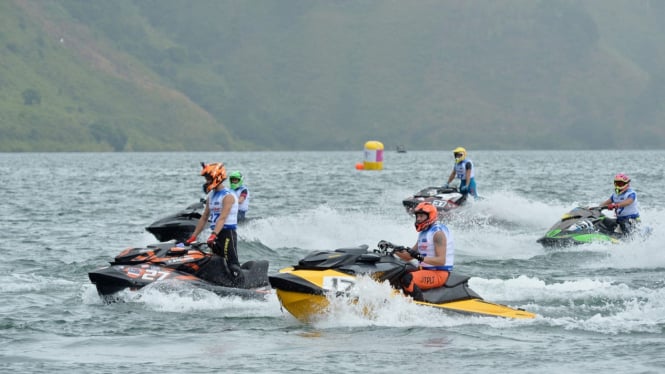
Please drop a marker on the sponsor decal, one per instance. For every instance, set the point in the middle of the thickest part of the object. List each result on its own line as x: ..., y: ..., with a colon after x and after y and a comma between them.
x: 133, y: 272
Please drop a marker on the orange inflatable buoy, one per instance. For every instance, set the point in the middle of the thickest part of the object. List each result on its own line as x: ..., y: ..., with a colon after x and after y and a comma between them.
x: 360, y: 166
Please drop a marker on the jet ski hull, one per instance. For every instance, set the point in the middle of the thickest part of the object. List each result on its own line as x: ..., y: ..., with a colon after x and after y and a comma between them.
x: 112, y: 279
x: 179, y: 226
x: 135, y: 268
x: 178, y: 231
x: 584, y: 225
x: 555, y: 239
x: 445, y: 200
x: 304, y: 290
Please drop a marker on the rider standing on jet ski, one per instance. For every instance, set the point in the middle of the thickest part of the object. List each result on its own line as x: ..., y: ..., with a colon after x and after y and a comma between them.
x: 434, y: 250
x: 464, y: 170
x: 624, y: 202
x: 221, y: 211
x: 241, y: 192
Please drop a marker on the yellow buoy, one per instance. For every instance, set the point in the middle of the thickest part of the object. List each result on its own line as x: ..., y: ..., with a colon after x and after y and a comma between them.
x: 373, y: 155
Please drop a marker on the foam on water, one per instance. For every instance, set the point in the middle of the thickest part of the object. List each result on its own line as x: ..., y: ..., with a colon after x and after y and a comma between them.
x: 375, y: 304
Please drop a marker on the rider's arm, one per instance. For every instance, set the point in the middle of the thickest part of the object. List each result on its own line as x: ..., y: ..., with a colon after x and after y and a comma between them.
x: 451, y: 176
x: 626, y: 202
x: 440, y: 244
x: 468, y: 174
x: 242, y: 196
x: 404, y: 255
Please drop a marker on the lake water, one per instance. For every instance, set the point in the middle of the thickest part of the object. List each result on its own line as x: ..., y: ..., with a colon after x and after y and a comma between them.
x: 600, y: 307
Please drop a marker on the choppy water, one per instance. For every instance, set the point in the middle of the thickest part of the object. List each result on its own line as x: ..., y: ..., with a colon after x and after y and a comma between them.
x: 600, y: 307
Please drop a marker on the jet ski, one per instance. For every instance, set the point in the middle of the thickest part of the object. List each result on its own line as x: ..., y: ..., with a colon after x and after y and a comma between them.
x: 584, y: 225
x: 135, y: 268
x: 445, y: 199
x: 180, y: 225
x: 304, y: 289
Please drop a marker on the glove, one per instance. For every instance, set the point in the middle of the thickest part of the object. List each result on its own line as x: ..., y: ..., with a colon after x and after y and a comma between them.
x: 191, y: 240
x: 445, y: 186
x: 464, y: 189
x: 415, y: 254
x: 612, y: 206
x: 384, y: 245
x: 211, y: 239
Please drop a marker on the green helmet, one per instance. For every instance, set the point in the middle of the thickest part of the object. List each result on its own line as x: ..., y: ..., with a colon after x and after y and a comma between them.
x: 235, y: 179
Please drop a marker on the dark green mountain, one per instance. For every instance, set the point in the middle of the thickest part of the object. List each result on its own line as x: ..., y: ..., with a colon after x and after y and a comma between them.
x: 135, y: 75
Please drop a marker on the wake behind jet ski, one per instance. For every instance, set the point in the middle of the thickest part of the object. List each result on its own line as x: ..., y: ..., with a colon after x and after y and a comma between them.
x: 135, y: 268
x: 445, y: 199
x: 584, y: 225
x: 304, y: 289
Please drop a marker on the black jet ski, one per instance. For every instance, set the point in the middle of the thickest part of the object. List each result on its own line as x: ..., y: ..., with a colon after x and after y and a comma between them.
x: 135, y: 268
x: 180, y: 225
x: 304, y: 289
x: 445, y: 199
x: 584, y: 225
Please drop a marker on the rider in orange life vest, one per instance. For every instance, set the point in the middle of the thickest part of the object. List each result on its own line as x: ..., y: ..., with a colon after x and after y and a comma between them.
x: 220, y: 212
x: 624, y: 201
x: 434, y: 250
x: 464, y: 170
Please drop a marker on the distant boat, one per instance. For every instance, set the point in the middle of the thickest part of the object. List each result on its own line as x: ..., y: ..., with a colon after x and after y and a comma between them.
x: 400, y: 149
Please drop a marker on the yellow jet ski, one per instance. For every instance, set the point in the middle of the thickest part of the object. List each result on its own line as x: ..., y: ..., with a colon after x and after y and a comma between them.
x: 304, y: 289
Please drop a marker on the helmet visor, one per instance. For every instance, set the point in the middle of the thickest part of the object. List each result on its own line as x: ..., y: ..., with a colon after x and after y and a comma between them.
x: 458, y: 155
x: 620, y: 183
x: 234, y: 180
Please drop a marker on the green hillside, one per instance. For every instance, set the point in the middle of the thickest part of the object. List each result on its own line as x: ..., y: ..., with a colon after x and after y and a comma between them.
x: 136, y: 75
x: 64, y: 88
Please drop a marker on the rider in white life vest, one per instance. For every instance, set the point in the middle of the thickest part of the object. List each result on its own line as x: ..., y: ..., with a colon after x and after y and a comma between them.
x: 464, y: 171
x: 624, y: 201
x: 434, y: 250
x: 221, y: 213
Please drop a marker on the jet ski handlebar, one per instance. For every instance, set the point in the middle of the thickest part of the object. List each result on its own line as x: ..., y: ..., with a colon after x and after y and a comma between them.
x: 388, y: 248
x: 200, y: 246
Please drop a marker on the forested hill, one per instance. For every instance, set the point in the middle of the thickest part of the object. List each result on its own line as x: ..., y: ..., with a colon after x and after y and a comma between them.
x: 158, y: 75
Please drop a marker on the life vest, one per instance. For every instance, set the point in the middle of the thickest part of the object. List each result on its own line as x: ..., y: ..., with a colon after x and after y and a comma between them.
x: 628, y: 211
x: 215, y: 204
x: 460, y: 169
x: 426, y: 246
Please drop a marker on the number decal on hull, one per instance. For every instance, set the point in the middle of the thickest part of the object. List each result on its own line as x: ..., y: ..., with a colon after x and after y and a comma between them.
x: 153, y: 275
x: 439, y: 203
x: 338, y: 284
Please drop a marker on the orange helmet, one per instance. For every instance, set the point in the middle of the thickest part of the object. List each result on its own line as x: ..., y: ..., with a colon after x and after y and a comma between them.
x: 621, y: 183
x: 432, y: 215
x: 215, y: 174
